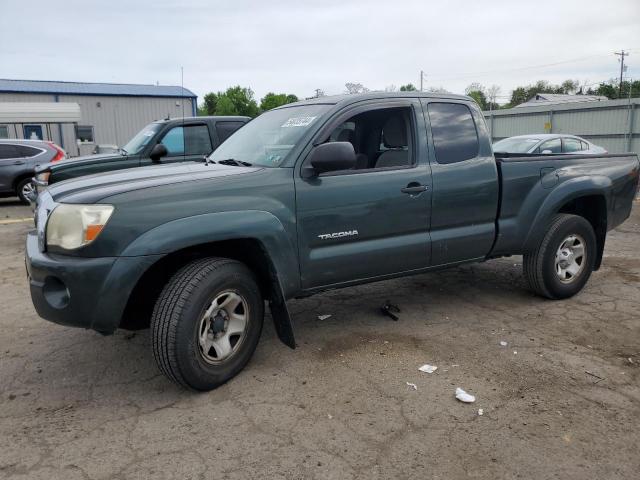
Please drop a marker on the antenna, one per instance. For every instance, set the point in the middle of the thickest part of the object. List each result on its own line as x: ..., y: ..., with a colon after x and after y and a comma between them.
x: 182, y: 91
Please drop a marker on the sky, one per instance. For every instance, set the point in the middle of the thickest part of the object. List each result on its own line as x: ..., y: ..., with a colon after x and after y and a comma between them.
x: 297, y: 46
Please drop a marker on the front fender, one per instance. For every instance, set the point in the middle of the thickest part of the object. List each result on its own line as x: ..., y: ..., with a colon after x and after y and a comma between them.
x: 213, y: 227
x: 562, y: 194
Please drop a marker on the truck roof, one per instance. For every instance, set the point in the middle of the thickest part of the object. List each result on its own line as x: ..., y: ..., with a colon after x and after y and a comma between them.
x: 210, y: 117
x: 346, y: 99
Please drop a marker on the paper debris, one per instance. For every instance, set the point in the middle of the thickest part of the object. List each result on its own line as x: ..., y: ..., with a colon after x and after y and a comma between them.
x: 515, y: 352
x: 323, y: 317
x: 426, y: 368
x: 503, y: 343
x: 412, y: 385
x: 480, y: 412
x: 464, y: 396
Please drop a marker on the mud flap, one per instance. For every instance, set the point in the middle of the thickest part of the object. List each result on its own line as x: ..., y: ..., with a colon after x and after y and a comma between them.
x: 280, y: 314
x: 282, y: 322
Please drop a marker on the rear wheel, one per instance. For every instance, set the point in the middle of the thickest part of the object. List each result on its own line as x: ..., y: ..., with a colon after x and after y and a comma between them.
x: 562, y: 264
x: 207, y: 322
x: 25, y: 189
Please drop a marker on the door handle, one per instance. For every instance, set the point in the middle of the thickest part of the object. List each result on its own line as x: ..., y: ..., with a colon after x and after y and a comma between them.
x: 414, y: 188
x: 19, y: 162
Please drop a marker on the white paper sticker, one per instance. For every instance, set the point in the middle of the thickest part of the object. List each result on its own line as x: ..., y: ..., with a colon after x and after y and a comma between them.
x: 298, y: 122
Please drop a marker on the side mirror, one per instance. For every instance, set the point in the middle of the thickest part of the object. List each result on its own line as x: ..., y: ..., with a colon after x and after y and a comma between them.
x: 547, y: 151
x: 157, y: 152
x: 330, y: 157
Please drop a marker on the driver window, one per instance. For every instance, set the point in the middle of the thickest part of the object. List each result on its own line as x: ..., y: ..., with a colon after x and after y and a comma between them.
x: 174, y: 141
x: 381, y: 138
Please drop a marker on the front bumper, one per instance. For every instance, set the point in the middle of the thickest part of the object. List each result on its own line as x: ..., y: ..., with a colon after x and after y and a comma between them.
x: 79, y: 291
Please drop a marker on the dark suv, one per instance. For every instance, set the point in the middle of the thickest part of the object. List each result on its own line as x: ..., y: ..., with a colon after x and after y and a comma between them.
x: 18, y: 159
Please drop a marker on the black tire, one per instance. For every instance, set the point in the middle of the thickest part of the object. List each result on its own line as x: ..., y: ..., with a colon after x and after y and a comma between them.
x: 19, y: 190
x: 175, y: 322
x: 540, y: 265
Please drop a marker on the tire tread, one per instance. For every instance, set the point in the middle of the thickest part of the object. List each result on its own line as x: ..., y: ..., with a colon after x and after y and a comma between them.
x: 168, y: 311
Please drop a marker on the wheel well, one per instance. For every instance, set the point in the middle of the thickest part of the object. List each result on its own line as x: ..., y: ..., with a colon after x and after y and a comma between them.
x: 251, y: 252
x: 594, y: 209
x: 21, y: 177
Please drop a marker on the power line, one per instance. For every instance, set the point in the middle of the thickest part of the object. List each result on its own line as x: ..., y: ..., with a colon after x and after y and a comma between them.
x: 530, y: 67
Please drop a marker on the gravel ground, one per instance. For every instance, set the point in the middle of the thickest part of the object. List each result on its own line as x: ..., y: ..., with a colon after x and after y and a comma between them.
x: 561, y: 400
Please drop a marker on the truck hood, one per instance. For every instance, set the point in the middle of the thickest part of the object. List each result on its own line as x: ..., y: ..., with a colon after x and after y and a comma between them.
x: 82, y: 160
x: 93, y: 188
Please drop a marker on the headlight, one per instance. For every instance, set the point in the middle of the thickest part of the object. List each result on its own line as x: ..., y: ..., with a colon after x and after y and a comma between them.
x: 74, y: 226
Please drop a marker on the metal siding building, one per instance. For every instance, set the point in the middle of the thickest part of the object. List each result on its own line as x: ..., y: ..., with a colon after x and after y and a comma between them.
x: 116, y: 112
x: 612, y: 124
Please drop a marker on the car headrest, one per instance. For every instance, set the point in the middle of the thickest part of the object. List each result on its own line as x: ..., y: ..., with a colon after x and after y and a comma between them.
x: 394, y: 132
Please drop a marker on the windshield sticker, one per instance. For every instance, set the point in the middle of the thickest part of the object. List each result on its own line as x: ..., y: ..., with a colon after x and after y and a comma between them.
x: 298, y: 122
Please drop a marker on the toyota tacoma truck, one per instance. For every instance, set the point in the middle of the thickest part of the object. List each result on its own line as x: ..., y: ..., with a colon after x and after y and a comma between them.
x: 164, y: 141
x: 315, y: 195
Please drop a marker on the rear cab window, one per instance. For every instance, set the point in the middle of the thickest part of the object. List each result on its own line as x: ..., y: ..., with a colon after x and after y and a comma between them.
x: 455, y: 138
x: 226, y: 128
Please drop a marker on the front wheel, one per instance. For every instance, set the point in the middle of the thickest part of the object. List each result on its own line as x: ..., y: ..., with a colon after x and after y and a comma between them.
x: 206, y: 323
x: 562, y: 264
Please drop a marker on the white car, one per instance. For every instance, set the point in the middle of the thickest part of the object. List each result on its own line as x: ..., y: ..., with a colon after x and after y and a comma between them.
x: 548, y: 143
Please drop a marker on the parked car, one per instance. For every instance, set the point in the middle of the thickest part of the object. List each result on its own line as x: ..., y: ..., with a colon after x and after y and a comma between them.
x: 315, y: 195
x: 18, y: 159
x: 166, y: 141
x: 548, y: 143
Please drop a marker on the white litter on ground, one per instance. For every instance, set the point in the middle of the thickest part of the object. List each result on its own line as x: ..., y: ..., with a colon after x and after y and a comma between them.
x: 480, y: 412
x: 503, y: 343
x: 412, y: 385
x: 515, y: 352
x: 464, y: 396
x: 323, y: 317
x: 426, y: 368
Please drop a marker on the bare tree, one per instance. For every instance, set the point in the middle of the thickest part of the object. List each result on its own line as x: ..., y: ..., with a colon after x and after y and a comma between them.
x: 492, y: 94
x: 391, y: 88
x: 353, y: 88
x: 438, y: 90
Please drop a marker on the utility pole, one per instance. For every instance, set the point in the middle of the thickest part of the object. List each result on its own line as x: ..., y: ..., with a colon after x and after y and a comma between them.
x: 622, y: 54
x: 422, y: 80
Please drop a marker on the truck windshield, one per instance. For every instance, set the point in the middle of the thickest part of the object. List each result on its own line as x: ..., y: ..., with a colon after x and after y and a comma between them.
x: 515, y: 145
x: 138, y: 142
x: 267, y: 140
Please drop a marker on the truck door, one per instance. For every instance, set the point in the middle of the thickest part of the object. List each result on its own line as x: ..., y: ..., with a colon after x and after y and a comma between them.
x: 184, y: 142
x: 373, y: 220
x: 465, y: 194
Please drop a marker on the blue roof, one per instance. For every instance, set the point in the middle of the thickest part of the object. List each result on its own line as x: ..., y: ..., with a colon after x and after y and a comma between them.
x: 81, y: 88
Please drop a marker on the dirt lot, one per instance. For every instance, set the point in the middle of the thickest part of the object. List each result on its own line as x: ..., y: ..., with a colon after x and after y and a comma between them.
x: 74, y: 404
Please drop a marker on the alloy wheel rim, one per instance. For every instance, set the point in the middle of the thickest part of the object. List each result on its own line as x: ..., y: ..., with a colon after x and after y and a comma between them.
x: 27, y: 189
x: 570, y: 258
x: 223, y: 327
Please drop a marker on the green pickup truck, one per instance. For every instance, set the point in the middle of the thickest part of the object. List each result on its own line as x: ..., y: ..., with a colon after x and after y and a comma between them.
x: 315, y: 195
x: 163, y: 141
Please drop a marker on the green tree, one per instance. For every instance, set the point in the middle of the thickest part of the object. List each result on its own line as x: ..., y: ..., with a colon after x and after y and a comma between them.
x: 477, y: 92
x: 479, y: 97
x: 273, y: 100
x: 209, y: 105
x: 409, y: 87
x: 234, y: 101
x: 611, y: 89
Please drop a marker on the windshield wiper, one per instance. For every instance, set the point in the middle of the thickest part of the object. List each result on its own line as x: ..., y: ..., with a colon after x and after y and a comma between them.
x: 233, y: 161
x: 123, y: 151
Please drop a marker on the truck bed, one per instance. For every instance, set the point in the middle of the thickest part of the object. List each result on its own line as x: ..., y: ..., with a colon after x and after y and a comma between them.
x: 533, y: 185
